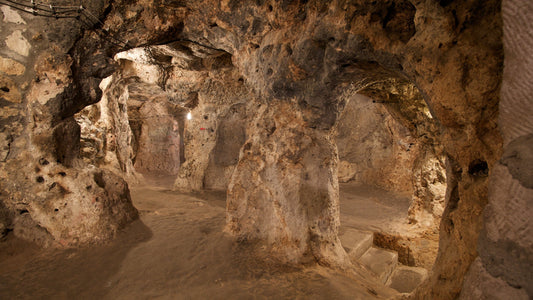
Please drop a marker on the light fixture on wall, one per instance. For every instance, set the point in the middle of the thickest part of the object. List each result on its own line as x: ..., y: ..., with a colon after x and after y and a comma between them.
x: 189, y: 116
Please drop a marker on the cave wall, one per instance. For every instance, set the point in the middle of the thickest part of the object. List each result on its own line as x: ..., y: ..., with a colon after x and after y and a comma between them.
x: 380, y: 148
x: 307, y: 63
x: 158, y: 151
x: 505, y: 245
x: 231, y: 136
x: 305, y: 53
x: 133, y: 130
x: 215, y: 133
x: 374, y: 148
x: 299, y: 57
x: 48, y: 194
x: 284, y: 190
x: 425, y: 166
x: 106, y: 136
x: 430, y: 188
x: 142, y: 122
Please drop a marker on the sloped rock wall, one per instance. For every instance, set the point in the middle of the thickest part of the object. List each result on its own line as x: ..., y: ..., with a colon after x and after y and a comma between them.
x: 105, y: 131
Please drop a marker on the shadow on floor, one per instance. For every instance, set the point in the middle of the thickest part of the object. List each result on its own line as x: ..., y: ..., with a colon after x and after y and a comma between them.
x: 28, y: 272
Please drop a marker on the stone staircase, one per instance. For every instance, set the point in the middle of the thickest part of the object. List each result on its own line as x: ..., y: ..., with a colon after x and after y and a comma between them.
x: 381, y: 262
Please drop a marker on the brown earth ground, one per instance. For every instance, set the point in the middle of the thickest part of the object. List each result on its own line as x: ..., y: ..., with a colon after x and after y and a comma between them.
x: 178, y: 250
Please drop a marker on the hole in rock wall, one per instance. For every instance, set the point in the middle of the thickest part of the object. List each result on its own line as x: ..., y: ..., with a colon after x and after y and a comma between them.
x: 391, y: 172
x: 478, y: 168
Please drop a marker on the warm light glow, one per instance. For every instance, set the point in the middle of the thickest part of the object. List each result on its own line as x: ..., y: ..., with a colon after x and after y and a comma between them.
x: 189, y: 116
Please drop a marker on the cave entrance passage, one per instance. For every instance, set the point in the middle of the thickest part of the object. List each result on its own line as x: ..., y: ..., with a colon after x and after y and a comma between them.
x: 391, y: 171
x: 376, y: 160
x: 136, y: 128
x: 169, y: 115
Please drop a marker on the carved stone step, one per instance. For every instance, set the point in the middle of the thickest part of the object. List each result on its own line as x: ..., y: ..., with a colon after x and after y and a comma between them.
x: 380, y: 261
x: 405, y: 279
x: 356, y: 242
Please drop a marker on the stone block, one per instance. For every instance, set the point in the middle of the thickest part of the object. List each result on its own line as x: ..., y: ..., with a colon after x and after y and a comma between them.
x: 405, y: 279
x: 18, y: 43
x: 381, y: 262
x: 9, y: 90
x: 11, y: 67
x: 356, y: 242
x: 11, y: 16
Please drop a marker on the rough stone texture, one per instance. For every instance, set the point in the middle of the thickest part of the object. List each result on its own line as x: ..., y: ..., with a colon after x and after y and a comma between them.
x: 133, y: 128
x: 159, y: 142
x: 301, y: 59
x: 9, y: 90
x: 106, y: 134
x: 11, y: 67
x: 506, y: 241
x: 407, y: 106
x: 11, y: 15
x: 429, y: 181
x: 18, y: 43
x: 92, y: 134
x: 284, y: 190
x: 378, y: 148
x: 479, y: 284
x: 213, y: 137
x: 231, y: 136
x: 48, y: 195
x: 159, y: 86
x: 392, y: 146
x: 64, y: 203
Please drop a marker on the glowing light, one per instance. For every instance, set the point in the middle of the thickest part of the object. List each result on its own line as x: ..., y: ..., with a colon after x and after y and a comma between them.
x: 189, y: 116
x: 428, y: 113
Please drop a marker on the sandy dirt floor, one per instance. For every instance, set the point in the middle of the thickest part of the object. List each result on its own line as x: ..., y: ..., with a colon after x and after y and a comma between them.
x: 177, y: 250
x: 369, y: 208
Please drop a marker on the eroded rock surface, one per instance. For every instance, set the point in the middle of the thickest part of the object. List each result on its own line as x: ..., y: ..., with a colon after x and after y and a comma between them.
x: 287, y: 171
x: 49, y: 195
x: 292, y: 63
x: 374, y: 148
x: 505, y: 244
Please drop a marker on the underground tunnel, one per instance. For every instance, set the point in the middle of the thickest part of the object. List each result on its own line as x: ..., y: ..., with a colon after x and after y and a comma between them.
x: 266, y: 149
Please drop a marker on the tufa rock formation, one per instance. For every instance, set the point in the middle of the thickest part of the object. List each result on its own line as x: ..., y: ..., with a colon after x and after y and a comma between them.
x: 274, y: 89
